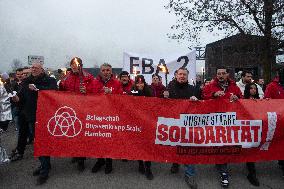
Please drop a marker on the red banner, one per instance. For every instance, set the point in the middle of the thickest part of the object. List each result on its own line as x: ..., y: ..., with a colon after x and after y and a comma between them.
x: 155, y: 129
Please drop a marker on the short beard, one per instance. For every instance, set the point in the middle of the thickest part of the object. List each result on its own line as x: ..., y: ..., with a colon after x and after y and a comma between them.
x: 125, y: 83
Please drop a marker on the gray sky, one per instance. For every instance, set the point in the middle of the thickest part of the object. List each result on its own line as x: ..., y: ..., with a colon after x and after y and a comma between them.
x: 97, y: 31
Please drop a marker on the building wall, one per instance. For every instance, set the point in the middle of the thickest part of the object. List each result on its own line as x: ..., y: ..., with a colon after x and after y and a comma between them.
x: 235, y: 53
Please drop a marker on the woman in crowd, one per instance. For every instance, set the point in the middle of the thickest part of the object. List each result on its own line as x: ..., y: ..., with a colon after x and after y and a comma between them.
x: 251, y: 92
x: 140, y: 88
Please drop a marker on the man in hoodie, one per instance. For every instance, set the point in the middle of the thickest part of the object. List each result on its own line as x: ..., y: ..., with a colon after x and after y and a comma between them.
x: 275, y: 90
x: 222, y: 87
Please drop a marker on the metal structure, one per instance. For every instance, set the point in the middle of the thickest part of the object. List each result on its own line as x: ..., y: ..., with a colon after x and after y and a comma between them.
x: 200, y: 53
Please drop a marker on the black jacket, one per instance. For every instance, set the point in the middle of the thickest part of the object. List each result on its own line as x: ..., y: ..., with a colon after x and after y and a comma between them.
x: 145, y: 92
x: 183, y: 90
x: 28, y: 98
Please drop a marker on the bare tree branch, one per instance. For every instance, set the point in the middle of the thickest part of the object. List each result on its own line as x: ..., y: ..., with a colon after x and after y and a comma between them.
x: 279, y: 8
x: 257, y: 21
x: 231, y: 17
x: 255, y: 17
x: 277, y: 25
x: 237, y: 26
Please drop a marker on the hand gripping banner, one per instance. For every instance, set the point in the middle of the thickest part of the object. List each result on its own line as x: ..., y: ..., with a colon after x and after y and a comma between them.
x: 155, y: 129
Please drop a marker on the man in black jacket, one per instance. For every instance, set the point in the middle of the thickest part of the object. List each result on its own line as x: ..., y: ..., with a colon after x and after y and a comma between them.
x: 16, y: 86
x: 181, y: 89
x: 27, y: 99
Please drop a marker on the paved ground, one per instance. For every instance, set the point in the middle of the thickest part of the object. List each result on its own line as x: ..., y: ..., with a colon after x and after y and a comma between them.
x: 125, y: 175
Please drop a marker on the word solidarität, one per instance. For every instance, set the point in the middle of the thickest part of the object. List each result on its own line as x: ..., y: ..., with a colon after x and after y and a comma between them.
x: 216, y: 129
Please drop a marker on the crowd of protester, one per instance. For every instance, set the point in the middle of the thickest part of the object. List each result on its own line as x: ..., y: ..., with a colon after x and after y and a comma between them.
x: 19, y: 93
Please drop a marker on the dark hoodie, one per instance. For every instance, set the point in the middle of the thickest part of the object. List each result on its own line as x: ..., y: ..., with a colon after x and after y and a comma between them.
x: 274, y: 90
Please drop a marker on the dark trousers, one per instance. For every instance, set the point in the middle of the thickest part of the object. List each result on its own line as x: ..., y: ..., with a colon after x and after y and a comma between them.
x: 80, y: 160
x: 15, y: 115
x: 4, y: 125
x: 147, y: 164
x: 23, y: 133
x: 281, y: 163
x: 106, y: 161
x: 222, y: 168
x: 251, y: 168
x: 44, y: 165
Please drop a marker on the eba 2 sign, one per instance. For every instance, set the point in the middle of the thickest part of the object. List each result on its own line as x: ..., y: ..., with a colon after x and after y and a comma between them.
x: 147, y: 65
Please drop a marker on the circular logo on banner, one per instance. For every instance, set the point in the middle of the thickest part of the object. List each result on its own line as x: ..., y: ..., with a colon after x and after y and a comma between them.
x: 64, y: 123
